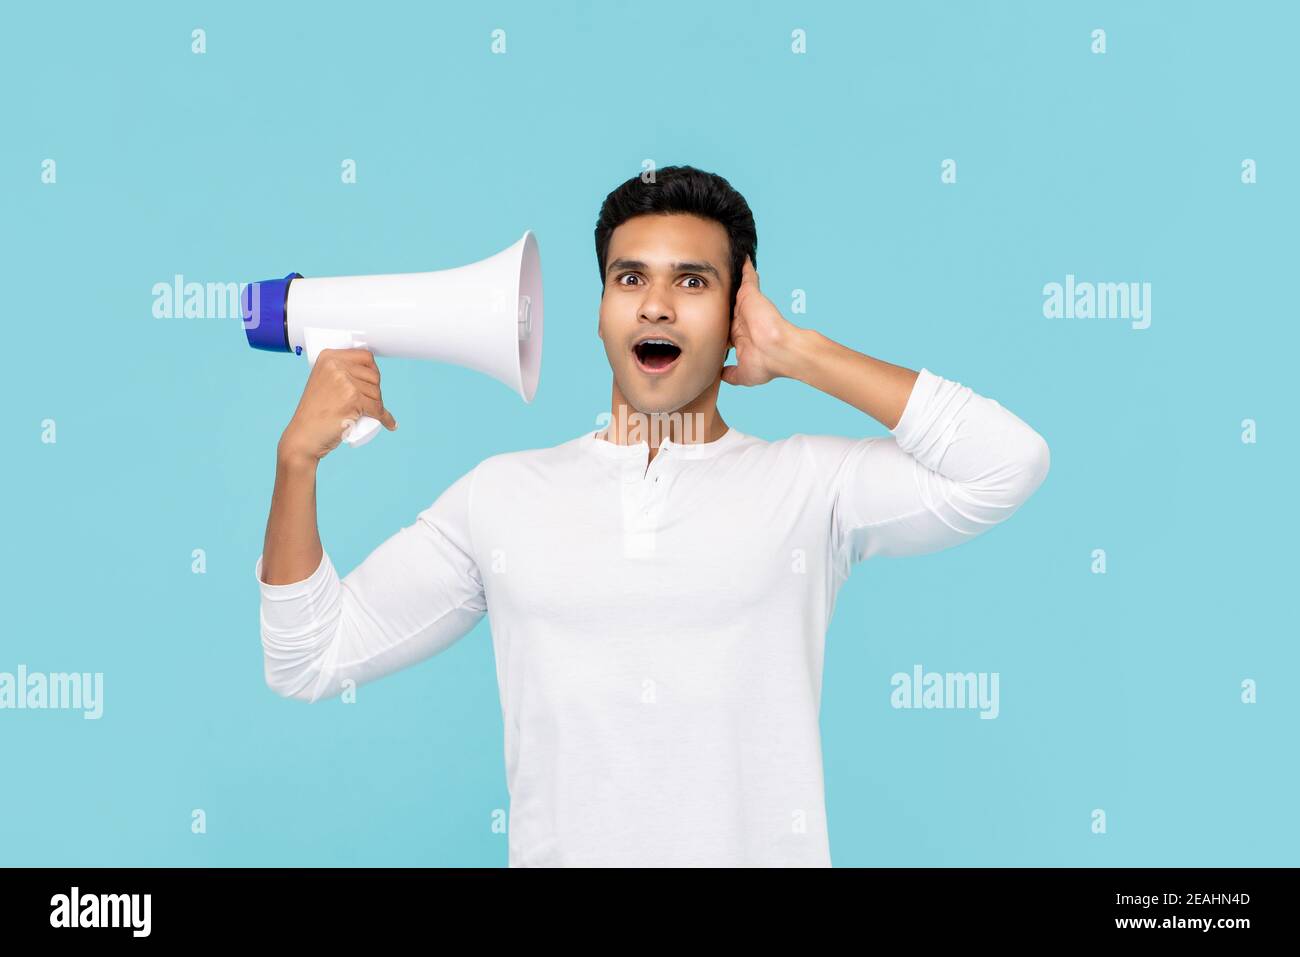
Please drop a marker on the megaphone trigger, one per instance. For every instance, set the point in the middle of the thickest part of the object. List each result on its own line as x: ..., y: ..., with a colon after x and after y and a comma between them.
x: 362, y: 431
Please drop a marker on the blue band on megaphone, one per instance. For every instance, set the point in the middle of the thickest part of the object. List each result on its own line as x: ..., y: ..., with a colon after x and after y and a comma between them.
x: 268, y: 329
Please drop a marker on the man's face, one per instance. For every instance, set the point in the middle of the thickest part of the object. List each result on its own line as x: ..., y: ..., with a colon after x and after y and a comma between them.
x: 667, y: 276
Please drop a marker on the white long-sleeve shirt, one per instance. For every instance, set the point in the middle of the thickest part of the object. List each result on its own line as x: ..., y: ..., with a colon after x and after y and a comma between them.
x: 658, y: 632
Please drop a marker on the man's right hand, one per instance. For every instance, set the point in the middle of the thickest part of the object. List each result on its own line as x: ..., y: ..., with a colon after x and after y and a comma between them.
x: 342, y: 387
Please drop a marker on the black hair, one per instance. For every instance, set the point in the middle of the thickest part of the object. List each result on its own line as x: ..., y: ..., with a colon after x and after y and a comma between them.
x: 682, y: 189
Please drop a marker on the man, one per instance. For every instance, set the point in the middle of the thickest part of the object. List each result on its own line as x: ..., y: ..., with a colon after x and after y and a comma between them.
x: 658, y: 591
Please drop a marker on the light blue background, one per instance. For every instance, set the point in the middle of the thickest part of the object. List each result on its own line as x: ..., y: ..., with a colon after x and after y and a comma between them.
x: 1118, y: 692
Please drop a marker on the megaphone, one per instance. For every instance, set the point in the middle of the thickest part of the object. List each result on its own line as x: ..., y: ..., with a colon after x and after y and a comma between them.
x: 486, y: 316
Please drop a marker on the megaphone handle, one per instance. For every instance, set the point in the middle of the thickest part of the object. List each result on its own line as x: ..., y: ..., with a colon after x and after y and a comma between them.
x: 366, y: 427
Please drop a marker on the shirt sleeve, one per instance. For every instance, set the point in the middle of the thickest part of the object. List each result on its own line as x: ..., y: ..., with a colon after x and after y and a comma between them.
x: 956, y: 464
x: 412, y: 597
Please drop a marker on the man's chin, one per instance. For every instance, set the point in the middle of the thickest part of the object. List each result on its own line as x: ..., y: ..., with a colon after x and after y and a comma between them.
x: 657, y: 407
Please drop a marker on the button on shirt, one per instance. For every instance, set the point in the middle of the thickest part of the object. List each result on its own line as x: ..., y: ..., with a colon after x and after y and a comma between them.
x: 658, y: 627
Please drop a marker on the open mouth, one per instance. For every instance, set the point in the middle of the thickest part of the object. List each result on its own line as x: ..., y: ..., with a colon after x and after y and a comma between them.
x: 656, y: 355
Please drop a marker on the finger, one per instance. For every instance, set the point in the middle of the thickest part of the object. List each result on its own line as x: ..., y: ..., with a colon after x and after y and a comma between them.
x: 364, y: 373
x: 348, y: 359
x: 357, y: 357
x: 375, y: 409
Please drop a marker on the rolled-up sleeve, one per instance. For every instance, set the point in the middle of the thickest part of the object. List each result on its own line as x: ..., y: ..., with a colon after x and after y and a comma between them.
x: 412, y: 597
x: 956, y: 464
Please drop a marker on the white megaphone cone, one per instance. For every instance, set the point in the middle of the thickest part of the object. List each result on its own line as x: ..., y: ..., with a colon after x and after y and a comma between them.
x: 486, y: 316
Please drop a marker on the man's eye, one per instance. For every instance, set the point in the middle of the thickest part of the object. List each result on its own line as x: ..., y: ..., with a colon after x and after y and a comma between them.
x: 632, y: 275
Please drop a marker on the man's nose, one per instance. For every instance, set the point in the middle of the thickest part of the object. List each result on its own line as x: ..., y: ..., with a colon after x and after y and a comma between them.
x: 657, y: 305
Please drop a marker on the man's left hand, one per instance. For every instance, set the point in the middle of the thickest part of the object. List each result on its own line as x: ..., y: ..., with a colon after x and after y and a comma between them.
x: 762, y: 337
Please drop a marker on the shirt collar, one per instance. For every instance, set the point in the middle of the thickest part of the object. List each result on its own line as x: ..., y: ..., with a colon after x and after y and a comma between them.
x: 641, y: 450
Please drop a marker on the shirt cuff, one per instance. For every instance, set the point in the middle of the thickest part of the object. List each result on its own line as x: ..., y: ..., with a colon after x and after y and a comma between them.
x: 311, y: 585
x: 912, y: 423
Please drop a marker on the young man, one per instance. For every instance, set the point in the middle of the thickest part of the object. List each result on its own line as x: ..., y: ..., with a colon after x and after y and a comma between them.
x: 658, y: 591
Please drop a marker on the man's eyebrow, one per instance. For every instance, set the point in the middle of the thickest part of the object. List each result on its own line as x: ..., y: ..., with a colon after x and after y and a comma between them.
x: 676, y: 267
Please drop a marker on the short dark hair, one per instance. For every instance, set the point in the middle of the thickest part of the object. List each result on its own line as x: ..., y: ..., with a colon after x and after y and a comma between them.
x: 682, y: 189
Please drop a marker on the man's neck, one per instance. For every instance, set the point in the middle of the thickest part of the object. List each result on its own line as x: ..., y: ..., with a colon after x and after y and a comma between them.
x: 697, y: 421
